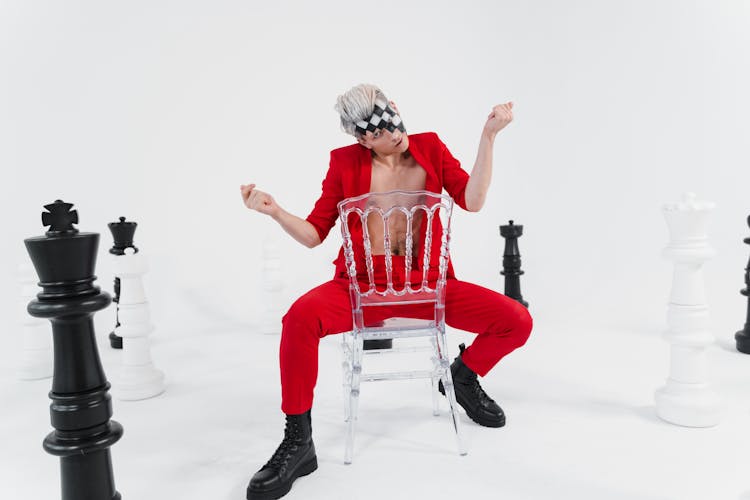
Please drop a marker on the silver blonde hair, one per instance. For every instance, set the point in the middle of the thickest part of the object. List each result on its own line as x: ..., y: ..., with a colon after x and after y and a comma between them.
x: 357, y: 104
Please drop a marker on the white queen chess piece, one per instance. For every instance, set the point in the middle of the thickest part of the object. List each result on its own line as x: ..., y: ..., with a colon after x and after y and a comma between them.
x: 36, y: 359
x: 687, y: 398
x: 138, y: 378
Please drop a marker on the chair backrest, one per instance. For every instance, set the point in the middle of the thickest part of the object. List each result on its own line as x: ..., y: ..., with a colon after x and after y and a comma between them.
x: 412, y: 230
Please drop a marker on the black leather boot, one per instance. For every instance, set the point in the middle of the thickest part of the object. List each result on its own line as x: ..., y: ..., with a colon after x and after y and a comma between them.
x: 295, y: 457
x: 478, y: 405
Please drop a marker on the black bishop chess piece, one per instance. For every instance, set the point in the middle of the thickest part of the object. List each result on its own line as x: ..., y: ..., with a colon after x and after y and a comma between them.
x: 65, y: 260
x: 512, y: 262
x: 122, y: 233
x: 743, y: 336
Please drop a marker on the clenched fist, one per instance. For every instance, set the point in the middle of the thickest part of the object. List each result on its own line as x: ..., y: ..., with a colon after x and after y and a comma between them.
x: 501, y: 115
x: 258, y: 200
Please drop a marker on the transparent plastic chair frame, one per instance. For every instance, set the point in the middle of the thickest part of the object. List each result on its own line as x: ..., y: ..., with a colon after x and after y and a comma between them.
x: 386, y: 205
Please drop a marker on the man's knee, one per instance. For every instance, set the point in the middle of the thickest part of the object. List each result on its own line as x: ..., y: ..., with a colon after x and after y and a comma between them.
x: 524, y: 325
x: 303, y: 313
x: 515, y: 323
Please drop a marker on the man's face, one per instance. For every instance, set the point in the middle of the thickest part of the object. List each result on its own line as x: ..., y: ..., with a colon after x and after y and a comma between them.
x: 383, y: 142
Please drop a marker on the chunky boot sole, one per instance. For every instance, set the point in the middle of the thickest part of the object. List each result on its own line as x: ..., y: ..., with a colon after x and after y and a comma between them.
x: 307, y: 468
x: 486, y: 422
x: 478, y: 418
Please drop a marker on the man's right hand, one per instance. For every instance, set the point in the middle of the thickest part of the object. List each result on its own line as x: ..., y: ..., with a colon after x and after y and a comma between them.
x: 299, y: 229
x: 258, y: 200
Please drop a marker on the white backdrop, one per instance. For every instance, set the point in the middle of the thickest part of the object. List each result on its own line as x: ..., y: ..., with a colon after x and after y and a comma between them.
x: 159, y: 110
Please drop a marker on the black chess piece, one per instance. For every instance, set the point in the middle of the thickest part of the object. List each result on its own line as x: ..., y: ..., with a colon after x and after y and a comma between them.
x: 115, y: 341
x: 371, y: 344
x: 512, y: 262
x: 81, y: 408
x: 743, y: 336
x: 122, y: 233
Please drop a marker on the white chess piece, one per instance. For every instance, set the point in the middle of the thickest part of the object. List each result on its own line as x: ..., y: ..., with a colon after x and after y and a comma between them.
x: 272, y: 284
x: 36, y: 360
x: 138, y: 379
x: 687, y: 398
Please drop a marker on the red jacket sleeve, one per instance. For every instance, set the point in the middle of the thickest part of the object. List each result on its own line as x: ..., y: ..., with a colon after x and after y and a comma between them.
x: 324, y: 213
x: 454, y: 177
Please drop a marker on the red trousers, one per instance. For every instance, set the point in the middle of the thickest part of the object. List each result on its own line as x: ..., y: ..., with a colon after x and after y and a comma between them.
x: 502, y: 325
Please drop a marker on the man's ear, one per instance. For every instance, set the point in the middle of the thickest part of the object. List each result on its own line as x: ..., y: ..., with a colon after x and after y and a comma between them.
x: 393, y: 105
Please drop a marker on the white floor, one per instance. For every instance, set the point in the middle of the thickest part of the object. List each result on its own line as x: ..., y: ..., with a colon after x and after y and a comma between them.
x: 579, y: 403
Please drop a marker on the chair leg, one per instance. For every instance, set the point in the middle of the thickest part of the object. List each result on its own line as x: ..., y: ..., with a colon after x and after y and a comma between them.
x: 346, y: 372
x: 353, y: 396
x: 448, y: 386
x: 435, y: 396
x: 436, y: 373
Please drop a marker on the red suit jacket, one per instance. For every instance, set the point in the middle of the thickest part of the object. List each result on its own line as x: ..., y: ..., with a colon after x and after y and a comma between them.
x: 350, y: 173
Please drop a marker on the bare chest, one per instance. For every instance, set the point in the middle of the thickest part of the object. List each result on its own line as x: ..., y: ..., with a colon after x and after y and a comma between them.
x: 409, y: 176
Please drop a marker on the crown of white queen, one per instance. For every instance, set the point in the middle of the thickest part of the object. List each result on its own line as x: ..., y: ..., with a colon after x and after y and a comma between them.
x: 383, y: 116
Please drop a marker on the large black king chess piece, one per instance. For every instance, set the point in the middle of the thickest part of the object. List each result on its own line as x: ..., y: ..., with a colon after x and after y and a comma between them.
x: 81, y: 408
x: 512, y: 262
x: 122, y: 233
x: 743, y: 336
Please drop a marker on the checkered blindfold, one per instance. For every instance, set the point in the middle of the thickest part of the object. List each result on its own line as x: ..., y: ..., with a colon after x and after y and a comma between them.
x: 383, y: 117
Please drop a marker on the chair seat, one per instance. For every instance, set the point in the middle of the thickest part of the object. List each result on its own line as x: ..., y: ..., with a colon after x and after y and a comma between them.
x: 396, y: 328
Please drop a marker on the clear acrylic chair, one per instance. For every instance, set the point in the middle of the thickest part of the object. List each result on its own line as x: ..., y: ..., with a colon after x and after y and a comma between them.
x: 397, y: 231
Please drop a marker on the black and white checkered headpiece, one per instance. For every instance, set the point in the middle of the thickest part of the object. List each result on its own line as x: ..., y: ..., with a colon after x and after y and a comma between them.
x: 383, y: 116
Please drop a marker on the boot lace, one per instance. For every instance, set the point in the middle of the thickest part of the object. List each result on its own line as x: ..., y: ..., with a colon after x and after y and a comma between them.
x: 282, y: 453
x: 479, y: 392
x: 474, y: 381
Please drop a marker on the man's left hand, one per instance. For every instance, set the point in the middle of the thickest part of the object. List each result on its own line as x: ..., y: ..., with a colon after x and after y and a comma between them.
x: 501, y: 115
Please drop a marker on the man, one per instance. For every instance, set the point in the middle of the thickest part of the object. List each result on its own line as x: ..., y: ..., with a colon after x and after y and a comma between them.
x: 384, y: 158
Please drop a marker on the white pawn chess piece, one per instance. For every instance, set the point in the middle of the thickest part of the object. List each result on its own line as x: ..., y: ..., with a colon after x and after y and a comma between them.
x: 272, y: 285
x: 687, y: 398
x: 36, y: 361
x: 138, y: 379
